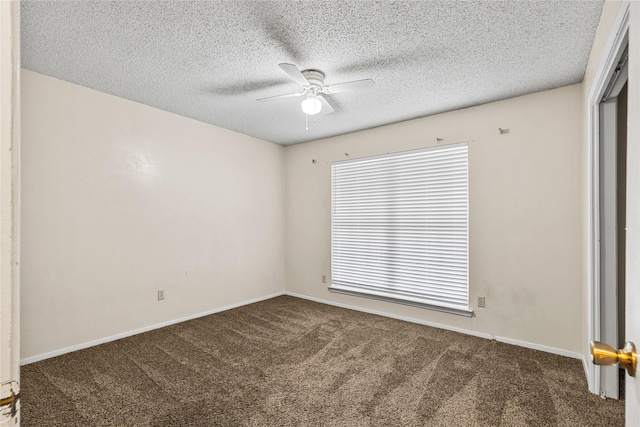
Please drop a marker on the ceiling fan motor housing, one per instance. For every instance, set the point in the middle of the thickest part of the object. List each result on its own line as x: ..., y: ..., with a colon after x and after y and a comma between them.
x: 315, y: 79
x: 312, y: 86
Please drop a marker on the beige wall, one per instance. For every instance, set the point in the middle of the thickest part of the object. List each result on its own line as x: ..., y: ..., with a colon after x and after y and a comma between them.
x: 121, y: 199
x: 526, y: 234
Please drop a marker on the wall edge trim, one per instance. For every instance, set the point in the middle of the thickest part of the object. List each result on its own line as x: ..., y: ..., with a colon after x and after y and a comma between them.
x: 519, y: 343
x: 533, y: 346
x: 587, y: 372
x: 115, y: 337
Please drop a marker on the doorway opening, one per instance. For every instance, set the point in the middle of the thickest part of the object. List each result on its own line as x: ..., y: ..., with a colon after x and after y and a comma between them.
x: 612, y: 187
x: 606, y: 218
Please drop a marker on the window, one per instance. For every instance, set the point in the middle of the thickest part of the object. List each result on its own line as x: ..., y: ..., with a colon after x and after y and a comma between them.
x: 400, y: 228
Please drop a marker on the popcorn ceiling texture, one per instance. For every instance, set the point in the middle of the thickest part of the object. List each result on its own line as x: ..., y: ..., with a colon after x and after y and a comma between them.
x: 211, y: 60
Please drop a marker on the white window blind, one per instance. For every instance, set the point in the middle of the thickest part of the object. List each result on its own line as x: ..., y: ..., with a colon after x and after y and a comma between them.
x: 400, y: 227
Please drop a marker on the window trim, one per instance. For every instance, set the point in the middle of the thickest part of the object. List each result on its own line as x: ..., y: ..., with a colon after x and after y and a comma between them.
x: 339, y: 290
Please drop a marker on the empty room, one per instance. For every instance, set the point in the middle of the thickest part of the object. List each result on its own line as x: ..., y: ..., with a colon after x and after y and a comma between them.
x: 319, y: 213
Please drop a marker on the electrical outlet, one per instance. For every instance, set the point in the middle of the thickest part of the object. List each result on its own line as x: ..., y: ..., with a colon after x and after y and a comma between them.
x: 324, y: 279
x: 160, y: 294
x: 481, y: 302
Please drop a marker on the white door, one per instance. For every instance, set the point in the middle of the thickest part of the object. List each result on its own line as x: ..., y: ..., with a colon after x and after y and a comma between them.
x: 632, y: 389
x: 9, y: 211
x: 626, y: 31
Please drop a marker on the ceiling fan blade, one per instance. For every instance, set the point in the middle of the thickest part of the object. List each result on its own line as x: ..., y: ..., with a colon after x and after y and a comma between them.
x: 272, y: 98
x: 327, y: 108
x: 347, y: 86
x: 294, y: 73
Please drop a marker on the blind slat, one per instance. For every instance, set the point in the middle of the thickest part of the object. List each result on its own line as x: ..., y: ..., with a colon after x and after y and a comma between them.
x: 400, y: 226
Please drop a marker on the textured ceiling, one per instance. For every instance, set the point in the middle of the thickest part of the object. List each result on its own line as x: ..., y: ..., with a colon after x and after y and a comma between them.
x: 211, y: 60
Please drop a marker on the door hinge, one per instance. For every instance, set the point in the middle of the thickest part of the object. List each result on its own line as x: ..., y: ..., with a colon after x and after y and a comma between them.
x: 9, y: 401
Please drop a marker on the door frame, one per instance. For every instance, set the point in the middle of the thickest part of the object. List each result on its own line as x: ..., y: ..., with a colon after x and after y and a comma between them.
x: 614, y: 48
x: 609, y: 238
x: 10, y: 209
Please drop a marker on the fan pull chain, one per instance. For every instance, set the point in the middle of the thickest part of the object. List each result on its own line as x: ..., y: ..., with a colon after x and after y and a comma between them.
x: 306, y: 121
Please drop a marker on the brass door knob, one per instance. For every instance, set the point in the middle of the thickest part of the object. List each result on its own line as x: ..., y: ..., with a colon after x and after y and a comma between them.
x: 605, y: 355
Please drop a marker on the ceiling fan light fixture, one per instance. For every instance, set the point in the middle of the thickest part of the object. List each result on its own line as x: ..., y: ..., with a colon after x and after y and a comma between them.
x: 311, y: 106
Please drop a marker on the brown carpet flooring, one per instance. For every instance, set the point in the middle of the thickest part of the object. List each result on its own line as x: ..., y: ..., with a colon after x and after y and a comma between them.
x: 292, y: 362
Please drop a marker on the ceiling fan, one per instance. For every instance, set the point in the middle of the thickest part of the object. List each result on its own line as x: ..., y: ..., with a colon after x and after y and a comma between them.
x: 312, y: 84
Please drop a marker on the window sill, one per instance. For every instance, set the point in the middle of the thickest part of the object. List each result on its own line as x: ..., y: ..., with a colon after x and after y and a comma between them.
x: 459, y: 312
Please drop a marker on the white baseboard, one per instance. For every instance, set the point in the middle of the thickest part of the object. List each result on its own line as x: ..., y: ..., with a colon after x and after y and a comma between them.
x: 505, y: 340
x: 55, y: 353
x: 587, y: 372
x: 393, y: 316
x: 485, y: 335
x: 546, y: 349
